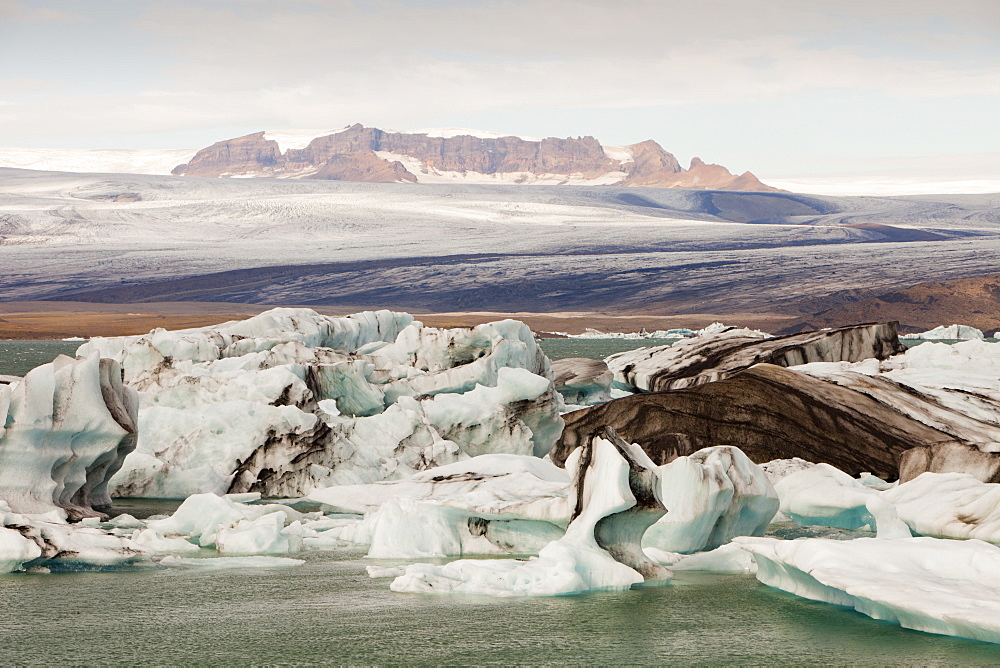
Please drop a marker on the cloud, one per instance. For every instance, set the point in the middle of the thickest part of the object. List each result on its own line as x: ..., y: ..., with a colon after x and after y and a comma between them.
x: 16, y: 10
x: 326, y: 62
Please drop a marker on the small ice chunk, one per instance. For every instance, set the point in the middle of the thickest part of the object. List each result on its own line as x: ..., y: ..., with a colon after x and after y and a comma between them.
x: 385, y: 571
x: 151, y: 540
x: 231, y: 562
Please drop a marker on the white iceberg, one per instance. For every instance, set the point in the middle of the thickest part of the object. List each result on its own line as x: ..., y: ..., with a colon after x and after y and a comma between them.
x: 824, y: 495
x: 928, y: 584
x: 518, y: 485
x: 615, y: 503
x: 948, y: 505
x: 951, y: 332
x: 711, y: 496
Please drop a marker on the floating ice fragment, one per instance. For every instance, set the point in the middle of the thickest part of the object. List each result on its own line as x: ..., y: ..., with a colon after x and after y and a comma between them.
x: 231, y: 562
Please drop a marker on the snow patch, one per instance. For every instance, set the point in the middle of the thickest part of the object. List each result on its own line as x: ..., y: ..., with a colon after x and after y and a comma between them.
x: 297, y: 139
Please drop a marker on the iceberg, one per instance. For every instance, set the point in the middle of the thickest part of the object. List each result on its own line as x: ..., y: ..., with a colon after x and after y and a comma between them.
x: 582, y: 381
x: 67, y: 427
x: 951, y: 332
x: 711, y: 496
x: 948, y: 505
x: 933, y: 408
x: 290, y: 400
x: 928, y: 584
x: 48, y: 542
x: 954, y: 389
x: 720, y: 353
x: 490, y: 504
x: 615, y: 491
x: 521, y: 485
x: 826, y: 496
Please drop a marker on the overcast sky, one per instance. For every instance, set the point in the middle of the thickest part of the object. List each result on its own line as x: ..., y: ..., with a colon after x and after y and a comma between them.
x: 779, y: 87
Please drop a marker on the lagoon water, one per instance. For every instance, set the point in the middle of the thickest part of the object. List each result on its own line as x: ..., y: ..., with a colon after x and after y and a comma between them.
x: 329, y: 611
x: 19, y: 357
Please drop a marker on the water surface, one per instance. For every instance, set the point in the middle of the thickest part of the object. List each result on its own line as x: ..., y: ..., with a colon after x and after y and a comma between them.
x: 19, y: 357
x: 329, y: 611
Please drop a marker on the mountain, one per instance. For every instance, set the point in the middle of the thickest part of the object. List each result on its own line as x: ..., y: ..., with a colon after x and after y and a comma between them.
x: 359, y: 153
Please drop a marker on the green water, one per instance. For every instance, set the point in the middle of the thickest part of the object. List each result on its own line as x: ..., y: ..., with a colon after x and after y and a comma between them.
x: 330, y: 612
x: 596, y: 349
x: 19, y: 357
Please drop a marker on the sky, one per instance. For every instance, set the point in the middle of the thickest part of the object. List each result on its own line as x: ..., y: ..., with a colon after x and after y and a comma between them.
x: 784, y: 88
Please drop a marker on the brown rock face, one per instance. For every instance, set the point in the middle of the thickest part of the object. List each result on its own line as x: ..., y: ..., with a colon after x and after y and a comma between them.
x: 243, y: 155
x: 651, y: 166
x: 366, y: 167
x: 352, y: 155
x: 655, y: 171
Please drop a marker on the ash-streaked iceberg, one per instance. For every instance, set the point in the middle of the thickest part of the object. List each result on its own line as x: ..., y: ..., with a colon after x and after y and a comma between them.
x: 953, y: 390
x: 291, y: 400
x: 615, y: 492
x: 711, y: 496
x: 715, y: 355
x: 582, y: 381
x: 65, y: 429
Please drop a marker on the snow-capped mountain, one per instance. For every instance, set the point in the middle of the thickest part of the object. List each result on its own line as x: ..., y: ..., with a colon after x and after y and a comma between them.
x: 455, y: 155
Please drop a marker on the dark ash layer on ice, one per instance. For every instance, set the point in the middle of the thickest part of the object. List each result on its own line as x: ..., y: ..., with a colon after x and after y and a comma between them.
x: 870, y: 416
x: 291, y: 400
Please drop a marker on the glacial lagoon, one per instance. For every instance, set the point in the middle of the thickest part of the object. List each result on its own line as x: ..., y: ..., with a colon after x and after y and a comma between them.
x: 329, y: 611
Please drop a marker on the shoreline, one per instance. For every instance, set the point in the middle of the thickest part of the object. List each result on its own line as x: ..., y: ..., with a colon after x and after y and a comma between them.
x: 59, y: 320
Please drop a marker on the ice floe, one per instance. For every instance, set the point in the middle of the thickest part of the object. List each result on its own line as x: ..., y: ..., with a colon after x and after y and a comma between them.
x: 219, y: 563
x: 929, y: 584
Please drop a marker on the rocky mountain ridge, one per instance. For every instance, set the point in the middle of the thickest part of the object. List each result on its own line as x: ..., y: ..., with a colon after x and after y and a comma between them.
x: 359, y: 153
